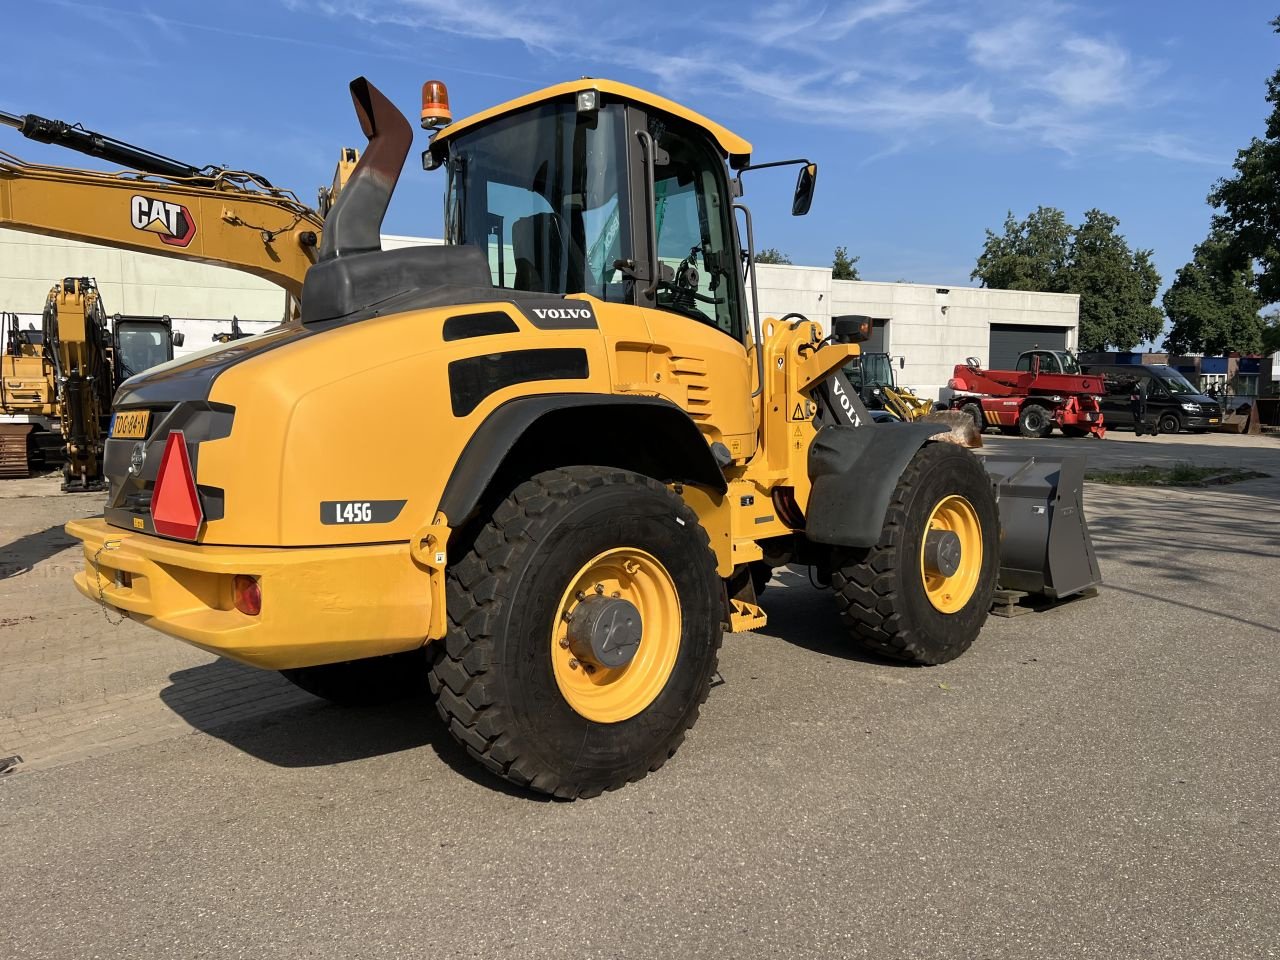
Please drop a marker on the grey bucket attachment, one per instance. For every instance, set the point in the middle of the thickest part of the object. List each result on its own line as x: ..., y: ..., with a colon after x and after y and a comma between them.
x: 1044, y: 539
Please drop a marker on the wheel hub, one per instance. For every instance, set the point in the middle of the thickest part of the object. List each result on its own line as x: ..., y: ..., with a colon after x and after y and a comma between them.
x: 942, y: 552
x: 605, y: 631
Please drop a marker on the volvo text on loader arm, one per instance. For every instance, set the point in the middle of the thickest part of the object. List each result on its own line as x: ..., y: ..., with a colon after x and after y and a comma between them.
x: 598, y: 448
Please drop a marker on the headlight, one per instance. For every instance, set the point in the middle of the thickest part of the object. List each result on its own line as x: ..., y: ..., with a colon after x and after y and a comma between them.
x: 1191, y: 407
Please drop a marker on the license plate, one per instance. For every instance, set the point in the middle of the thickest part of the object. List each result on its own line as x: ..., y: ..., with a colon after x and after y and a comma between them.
x: 130, y: 424
x: 1213, y: 419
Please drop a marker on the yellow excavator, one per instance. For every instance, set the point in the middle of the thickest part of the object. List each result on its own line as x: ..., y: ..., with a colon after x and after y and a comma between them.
x: 593, y: 453
x: 159, y: 205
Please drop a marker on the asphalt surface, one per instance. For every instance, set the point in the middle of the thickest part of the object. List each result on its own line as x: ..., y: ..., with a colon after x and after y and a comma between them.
x: 1099, y: 780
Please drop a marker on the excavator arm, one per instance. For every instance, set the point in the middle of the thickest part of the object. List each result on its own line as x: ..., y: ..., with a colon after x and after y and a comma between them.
x: 163, y: 206
x: 266, y: 232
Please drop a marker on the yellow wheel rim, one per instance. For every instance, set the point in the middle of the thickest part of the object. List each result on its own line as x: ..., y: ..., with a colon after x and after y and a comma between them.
x: 949, y: 594
x: 606, y: 695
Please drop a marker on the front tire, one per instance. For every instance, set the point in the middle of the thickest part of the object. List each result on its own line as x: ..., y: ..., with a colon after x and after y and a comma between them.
x: 1169, y: 423
x: 1035, y: 421
x: 892, y: 598
x: 517, y: 693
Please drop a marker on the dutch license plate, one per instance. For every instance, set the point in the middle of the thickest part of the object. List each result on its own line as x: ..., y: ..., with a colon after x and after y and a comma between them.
x: 130, y: 424
x: 1213, y: 419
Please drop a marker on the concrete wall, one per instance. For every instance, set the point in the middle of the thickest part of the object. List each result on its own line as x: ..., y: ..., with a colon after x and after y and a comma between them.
x: 199, y: 298
x: 935, y: 328
x: 787, y: 289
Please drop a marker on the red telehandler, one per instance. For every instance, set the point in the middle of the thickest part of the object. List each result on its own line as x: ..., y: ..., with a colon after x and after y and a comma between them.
x: 1046, y: 390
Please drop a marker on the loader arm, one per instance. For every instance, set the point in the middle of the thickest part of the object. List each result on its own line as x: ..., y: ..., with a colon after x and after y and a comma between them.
x: 223, y: 218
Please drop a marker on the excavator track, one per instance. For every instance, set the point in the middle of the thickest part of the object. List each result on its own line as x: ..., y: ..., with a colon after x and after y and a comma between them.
x: 14, y: 462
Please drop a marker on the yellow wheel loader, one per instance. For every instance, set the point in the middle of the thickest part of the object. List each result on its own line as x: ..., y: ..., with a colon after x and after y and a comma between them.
x: 597, y: 446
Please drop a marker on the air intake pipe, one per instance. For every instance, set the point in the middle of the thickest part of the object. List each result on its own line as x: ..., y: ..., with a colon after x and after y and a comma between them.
x: 354, y: 223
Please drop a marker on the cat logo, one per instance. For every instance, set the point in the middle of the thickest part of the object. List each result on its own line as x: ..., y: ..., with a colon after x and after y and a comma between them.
x: 171, y: 222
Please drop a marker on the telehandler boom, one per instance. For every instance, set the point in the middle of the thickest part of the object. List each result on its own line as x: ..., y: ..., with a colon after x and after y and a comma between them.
x: 600, y: 446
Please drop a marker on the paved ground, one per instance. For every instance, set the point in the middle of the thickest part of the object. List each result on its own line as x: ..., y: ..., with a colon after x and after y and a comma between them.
x: 1096, y: 781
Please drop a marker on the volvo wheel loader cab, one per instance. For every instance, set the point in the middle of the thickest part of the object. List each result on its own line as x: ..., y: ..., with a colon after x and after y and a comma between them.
x: 599, y: 447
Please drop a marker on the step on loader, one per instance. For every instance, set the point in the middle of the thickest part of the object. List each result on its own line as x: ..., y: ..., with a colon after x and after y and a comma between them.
x: 600, y: 451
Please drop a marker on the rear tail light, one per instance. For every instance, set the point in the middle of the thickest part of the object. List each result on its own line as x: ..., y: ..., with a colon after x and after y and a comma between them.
x: 248, y: 594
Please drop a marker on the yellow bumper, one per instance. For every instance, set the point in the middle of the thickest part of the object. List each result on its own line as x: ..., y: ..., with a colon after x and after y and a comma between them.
x: 319, y: 604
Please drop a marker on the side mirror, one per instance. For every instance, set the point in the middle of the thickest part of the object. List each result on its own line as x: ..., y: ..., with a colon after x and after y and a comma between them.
x: 177, y: 338
x: 804, y: 190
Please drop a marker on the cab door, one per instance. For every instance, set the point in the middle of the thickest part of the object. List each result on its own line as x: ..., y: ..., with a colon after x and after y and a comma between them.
x: 695, y: 305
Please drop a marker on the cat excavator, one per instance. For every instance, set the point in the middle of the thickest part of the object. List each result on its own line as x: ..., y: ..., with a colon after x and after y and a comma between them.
x: 594, y: 452
x: 157, y: 205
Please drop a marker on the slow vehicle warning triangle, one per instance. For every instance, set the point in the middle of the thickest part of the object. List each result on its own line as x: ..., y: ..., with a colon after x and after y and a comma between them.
x: 175, y: 505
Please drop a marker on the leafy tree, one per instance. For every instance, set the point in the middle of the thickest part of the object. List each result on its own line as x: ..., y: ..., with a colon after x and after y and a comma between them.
x: 844, y: 267
x: 772, y: 255
x: 1031, y: 255
x: 1271, y: 334
x: 1044, y: 252
x: 1212, y: 306
x: 1249, y: 202
x: 1116, y: 286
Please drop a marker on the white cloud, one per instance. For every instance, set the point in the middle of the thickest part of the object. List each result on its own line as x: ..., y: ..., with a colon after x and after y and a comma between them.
x: 996, y: 72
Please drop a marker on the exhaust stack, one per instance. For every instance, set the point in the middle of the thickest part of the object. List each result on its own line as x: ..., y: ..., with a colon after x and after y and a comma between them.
x: 354, y: 223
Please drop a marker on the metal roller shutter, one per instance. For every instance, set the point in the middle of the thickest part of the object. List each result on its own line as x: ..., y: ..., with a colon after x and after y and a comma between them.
x: 879, y: 336
x: 1010, y: 339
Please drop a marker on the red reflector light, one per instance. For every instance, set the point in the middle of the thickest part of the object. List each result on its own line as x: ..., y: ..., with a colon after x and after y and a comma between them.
x: 248, y: 595
x: 175, y: 505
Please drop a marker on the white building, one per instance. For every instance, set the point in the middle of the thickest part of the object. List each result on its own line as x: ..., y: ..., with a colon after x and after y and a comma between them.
x: 933, y: 328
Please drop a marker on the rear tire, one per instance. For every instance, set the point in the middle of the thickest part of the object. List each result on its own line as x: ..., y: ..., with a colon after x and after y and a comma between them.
x: 1035, y: 421
x: 504, y: 680
x: 883, y: 594
x: 364, y: 683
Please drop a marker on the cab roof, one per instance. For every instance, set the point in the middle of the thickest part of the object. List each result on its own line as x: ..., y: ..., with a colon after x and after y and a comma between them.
x: 733, y: 146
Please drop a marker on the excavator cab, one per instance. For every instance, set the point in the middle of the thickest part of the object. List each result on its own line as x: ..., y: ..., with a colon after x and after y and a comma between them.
x: 140, y: 343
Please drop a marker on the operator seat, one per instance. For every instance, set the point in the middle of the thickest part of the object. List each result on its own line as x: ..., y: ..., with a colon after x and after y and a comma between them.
x: 539, y: 243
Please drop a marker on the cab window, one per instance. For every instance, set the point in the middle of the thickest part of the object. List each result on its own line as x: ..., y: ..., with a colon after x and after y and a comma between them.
x: 693, y: 217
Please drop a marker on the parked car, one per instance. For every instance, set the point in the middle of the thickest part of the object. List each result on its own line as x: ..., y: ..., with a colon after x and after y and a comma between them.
x: 1172, y: 401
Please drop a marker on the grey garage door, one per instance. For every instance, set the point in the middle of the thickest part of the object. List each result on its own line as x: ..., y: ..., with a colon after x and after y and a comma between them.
x: 879, y: 336
x: 1010, y: 339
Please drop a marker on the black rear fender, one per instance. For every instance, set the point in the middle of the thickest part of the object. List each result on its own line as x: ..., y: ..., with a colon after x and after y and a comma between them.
x: 528, y: 435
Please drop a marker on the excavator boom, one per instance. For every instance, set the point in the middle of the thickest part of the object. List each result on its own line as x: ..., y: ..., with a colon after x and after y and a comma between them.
x: 226, y: 219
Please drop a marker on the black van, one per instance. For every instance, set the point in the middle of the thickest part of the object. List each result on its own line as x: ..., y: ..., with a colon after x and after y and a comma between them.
x: 1173, y: 402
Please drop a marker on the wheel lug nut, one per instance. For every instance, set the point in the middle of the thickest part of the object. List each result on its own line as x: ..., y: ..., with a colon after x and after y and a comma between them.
x: 599, y: 589
x: 573, y: 664
x: 564, y: 643
x: 615, y: 594
x: 580, y: 596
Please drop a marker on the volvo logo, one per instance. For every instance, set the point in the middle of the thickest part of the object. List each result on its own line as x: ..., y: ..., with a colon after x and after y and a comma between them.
x: 563, y: 313
x: 137, y: 460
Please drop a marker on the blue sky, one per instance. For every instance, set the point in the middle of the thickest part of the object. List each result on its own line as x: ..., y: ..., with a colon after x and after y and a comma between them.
x: 929, y: 119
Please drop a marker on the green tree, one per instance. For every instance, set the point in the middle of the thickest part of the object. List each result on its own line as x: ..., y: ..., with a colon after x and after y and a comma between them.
x: 1249, y: 202
x: 772, y: 255
x: 1030, y: 255
x: 844, y: 267
x: 1044, y: 252
x: 1270, y: 334
x: 1116, y: 286
x: 1212, y: 306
